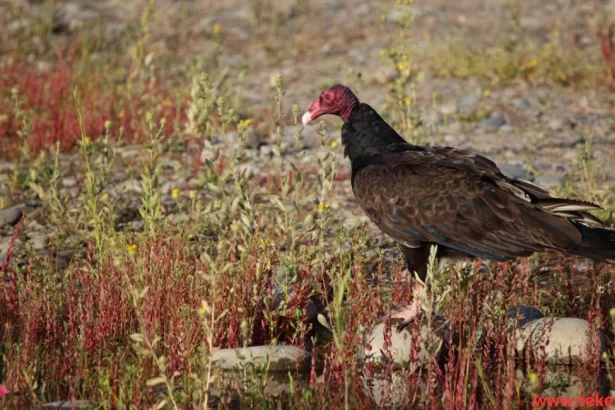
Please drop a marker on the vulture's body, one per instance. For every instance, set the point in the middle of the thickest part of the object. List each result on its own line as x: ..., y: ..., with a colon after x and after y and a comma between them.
x: 460, y: 201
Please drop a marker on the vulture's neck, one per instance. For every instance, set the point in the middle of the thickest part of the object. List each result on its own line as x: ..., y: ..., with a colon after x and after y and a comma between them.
x: 366, y: 135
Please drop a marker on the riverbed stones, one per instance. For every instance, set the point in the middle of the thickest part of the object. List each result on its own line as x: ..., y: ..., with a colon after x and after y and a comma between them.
x: 10, y: 216
x: 275, y: 358
x: 563, y: 340
x: 386, y: 343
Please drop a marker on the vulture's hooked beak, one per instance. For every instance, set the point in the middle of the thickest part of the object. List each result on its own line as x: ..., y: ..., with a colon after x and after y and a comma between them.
x: 307, y: 118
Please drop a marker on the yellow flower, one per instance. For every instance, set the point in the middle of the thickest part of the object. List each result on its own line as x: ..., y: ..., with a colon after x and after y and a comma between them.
x: 533, y: 377
x: 217, y: 28
x: 407, y: 100
x: 104, y: 197
x: 175, y: 193
x: 612, y: 312
x: 321, y: 207
x: 401, y: 66
x: 486, y: 92
x: 244, y: 124
x: 533, y: 63
x: 334, y: 144
x: 132, y: 249
x: 204, y: 309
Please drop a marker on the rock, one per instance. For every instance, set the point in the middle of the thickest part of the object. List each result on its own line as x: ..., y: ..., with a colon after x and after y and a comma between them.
x: 131, y: 151
x: 549, y: 181
x: 399, y: 12
x: 114, y: 30
x: 556, y: 124
x: 37, y: 241
x: 467, y: 104
x: 561, y: 339
x: 72, y: 16
x: 362, y: 10
x: 10, y: 216
x: 526, y: 314
x: 447, y: 108
x: 169, y: 186
x: 276, y: 358
x: 507, y: 129
x: 494, y: 122
x: 521, y: 103
x: 16, y: 26
x: 308, y: 137
x: 253, y: 139
x: 129, y: 186
x: 516, y: 171
x: 69, y: 404
x: 385, y: 74
x: 4, y: 243
x: 7, y: 167
x: 401, y: 343
x: 69, y: 182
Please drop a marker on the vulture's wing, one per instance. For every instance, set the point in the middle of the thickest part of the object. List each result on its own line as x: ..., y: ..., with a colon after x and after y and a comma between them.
x: 462, y: 201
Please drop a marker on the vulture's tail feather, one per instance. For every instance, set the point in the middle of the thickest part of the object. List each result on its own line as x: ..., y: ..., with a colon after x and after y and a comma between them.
x: 598, y: 243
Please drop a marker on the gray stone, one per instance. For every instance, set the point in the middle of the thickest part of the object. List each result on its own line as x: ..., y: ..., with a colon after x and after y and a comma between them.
x: 521, y: 103
x: 468, y: 103
x: 384, y: 74
x: 73, y: 16
x: 129, y: 186
x: 362, y: 10
x: 10, y: 216
x: 399, y: 12
x: 401, y: 343
x: 4, y: 243
x: 69, y: 404
x: 563, y: 340
x: 549, y: 181
x: 69, y: 182
x: 515, y: 171
x: 169, y: 186
x: 556, y: 124
x: 308, y: 137
x: 447, y: 108
x: 131, y: 151
x: 275, y: 358
x: 494, y: 122
x: 507, y: 129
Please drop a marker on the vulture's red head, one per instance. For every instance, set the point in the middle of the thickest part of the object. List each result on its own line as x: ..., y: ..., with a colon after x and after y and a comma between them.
x: 337, y: 100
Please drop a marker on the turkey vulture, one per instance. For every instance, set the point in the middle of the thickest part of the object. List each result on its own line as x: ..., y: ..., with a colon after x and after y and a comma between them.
x: 460, y: 201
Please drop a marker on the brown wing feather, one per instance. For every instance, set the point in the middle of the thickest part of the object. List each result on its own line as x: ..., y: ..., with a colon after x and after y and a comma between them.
x: 462, y: 201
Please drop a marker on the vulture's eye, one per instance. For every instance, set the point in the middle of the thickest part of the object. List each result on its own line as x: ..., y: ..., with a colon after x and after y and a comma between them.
x: 327, y: 97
